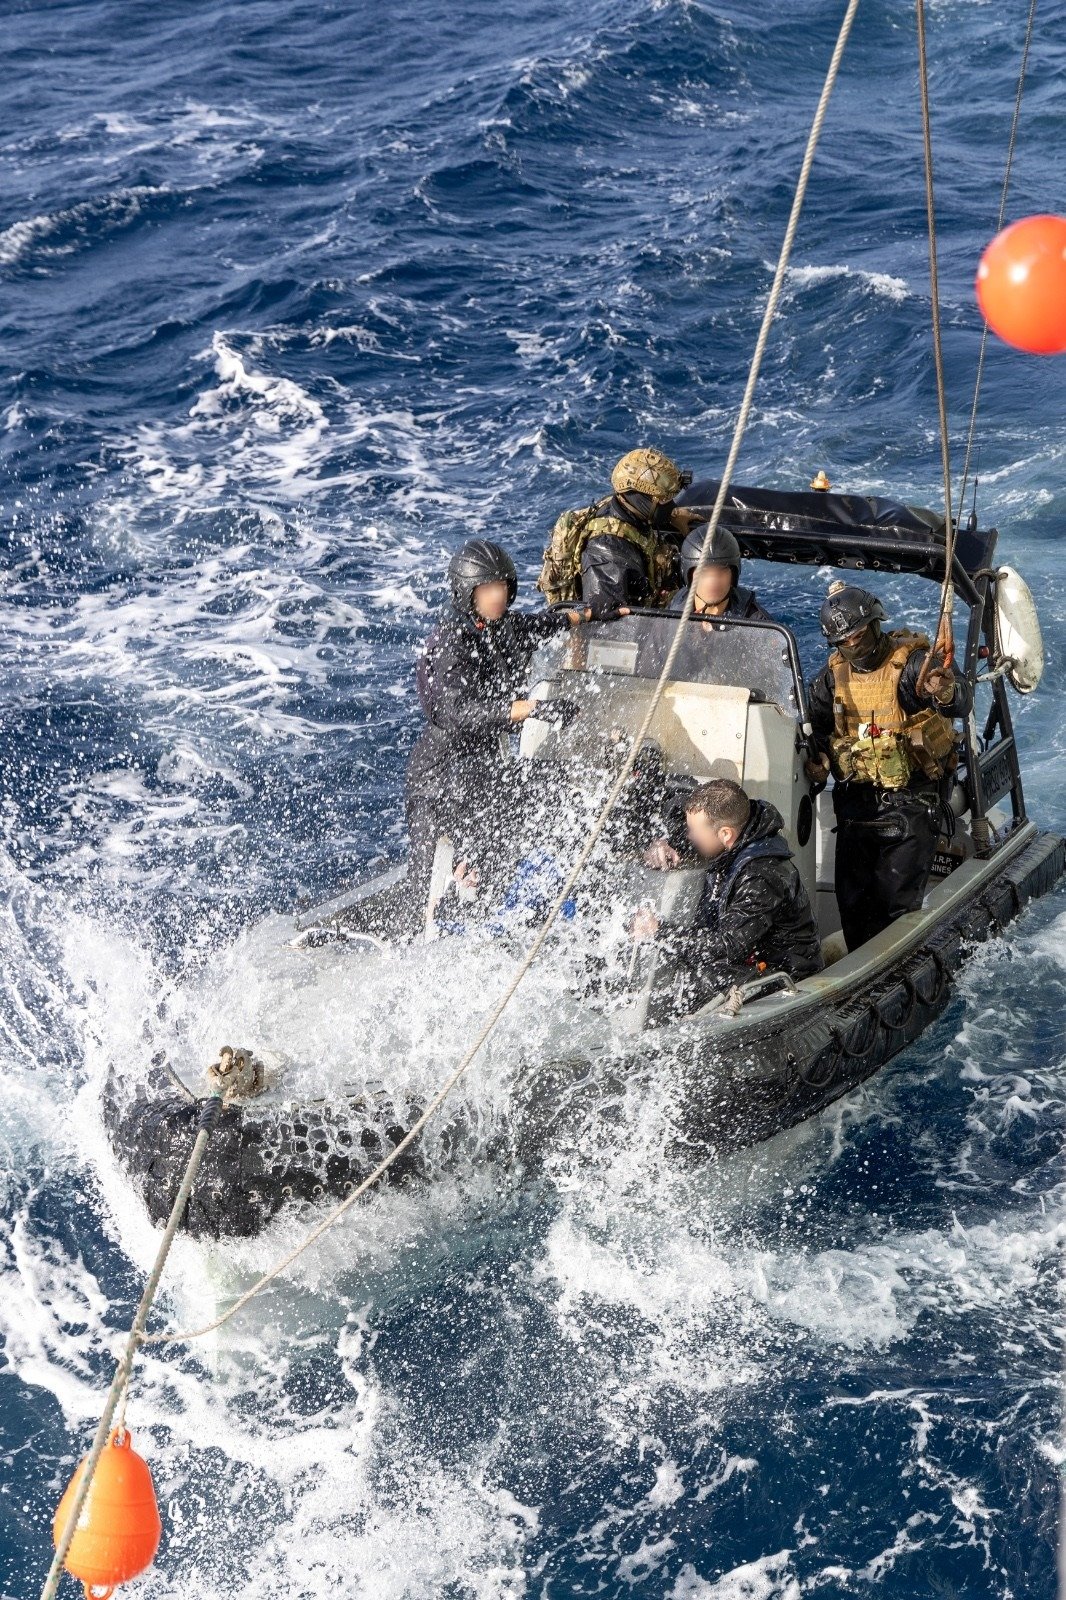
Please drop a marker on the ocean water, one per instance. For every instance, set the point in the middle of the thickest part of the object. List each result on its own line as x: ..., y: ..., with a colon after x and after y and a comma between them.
x: 293, y: 298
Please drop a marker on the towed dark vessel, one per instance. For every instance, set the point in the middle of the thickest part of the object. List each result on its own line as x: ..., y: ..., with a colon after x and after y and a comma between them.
x: 765, y: 1055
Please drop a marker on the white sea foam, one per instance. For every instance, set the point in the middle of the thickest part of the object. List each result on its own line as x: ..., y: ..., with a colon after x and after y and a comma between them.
x: 341, y: 1496
x: 881, y: 283
x: 117, y: 209
x: 224, y: 643
x: 18, y: 237
x: 255, y: 433
x: 770, y: 1578
x: 346, y: 1491
x: 120, y: 126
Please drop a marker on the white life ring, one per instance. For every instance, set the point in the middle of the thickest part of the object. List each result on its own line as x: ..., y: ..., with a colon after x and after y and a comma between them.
x: 1019, y: 645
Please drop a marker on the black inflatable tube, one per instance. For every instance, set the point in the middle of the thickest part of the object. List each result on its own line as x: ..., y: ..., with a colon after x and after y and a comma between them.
x: 259, y: 1158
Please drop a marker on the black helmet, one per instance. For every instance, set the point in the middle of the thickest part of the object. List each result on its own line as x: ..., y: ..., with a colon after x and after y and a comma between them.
x: 846, y: 609
x: 724, y: 552
x: 479, y: 561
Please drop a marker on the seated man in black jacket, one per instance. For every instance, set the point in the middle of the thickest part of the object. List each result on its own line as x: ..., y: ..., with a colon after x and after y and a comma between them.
x: 715, y: 579
x: 754, y: 912
x: 471, y: 682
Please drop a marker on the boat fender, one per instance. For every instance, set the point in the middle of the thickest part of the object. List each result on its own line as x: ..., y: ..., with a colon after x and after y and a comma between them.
x: 118, y: 1529
x: 1019, y: 643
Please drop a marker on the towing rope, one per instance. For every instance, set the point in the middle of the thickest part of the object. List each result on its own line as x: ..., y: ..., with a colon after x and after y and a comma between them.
x: 999, y: 228
x: 208, y: 1120
x: 593, y: 837
x: 943, y: 644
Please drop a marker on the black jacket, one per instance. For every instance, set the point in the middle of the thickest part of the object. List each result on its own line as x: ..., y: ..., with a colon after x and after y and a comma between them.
x: 613, y: 570
x: 753, y: 906
x: 820, y: 701
x: 742, y: 603
x: 469, y: 675
x: 460, y: 778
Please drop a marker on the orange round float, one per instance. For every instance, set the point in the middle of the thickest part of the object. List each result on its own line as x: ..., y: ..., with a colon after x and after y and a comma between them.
x: 1021, y: 284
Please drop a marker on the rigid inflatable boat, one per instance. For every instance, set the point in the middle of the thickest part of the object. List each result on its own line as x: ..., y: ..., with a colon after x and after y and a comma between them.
x: 768, y: 1053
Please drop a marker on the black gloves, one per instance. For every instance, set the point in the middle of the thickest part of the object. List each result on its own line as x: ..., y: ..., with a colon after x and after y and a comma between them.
x: 559, y: 712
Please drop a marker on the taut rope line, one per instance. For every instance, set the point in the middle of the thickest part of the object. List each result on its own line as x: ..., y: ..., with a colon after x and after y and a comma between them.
x: 209, y: 1115
x: 944, y: 643
x: 999, y: 228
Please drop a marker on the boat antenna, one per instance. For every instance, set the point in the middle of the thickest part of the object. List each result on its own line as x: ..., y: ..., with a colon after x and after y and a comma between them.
x: 999, y: 228
x: 971, y: 523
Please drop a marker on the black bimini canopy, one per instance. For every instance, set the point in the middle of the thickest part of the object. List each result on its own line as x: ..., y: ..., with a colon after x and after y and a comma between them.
x: 842, y: 530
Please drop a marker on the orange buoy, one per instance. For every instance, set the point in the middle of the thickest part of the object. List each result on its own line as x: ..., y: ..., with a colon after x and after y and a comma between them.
x: 118, y: 1530
x: 1021, y: 284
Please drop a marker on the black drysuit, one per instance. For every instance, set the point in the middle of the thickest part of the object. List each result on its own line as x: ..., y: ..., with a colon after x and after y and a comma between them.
x: 886, y: 838
x: 753, y: 909
x: 742, y: 603
x: 614, y: 571
x: 461, y: 778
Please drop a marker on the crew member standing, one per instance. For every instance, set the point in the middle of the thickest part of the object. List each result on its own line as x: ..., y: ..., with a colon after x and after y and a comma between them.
x: 890, y: 745
x: 621, y: 551
x: 715, y: 579
x: 460, y: 779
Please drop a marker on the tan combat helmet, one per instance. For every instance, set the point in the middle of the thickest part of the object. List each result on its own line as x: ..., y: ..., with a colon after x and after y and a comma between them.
x: 648, y: 472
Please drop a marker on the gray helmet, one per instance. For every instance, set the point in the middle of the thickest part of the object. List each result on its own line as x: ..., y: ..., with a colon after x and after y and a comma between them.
x: 847, y: 609
x: 724, y: 552
x: 479, y: 561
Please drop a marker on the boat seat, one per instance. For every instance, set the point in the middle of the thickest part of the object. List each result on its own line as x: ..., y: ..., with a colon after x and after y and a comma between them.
x: 673, y: 895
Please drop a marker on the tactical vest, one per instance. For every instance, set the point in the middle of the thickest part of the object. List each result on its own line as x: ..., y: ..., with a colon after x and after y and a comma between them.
x: 560, y: 573
x: 875, y: 740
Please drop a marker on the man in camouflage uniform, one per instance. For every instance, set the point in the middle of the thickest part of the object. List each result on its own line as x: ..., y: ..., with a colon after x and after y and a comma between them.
x: 621, y: 551
x: 886, y: 734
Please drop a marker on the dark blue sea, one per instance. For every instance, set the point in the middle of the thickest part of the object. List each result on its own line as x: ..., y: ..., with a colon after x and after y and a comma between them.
x: 294, y: 297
